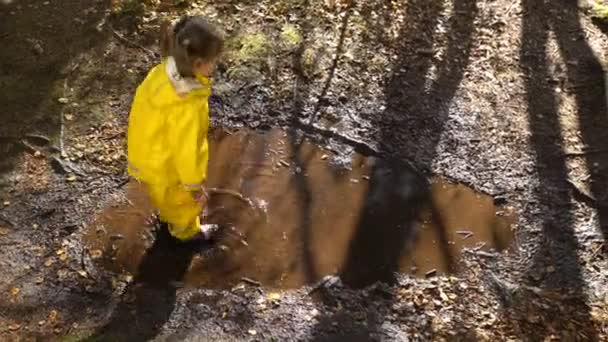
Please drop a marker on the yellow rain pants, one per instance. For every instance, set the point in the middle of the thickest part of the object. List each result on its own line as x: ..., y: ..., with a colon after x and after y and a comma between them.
x: 178, y: 208
x: 167, y: 144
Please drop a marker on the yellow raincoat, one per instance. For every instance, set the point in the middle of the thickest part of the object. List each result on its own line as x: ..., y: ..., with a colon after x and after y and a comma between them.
x: 167, y: 144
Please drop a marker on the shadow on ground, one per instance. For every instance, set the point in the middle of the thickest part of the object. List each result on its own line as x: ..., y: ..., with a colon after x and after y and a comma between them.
x: 558, y: 246
x: 41, y: 39
x: 150, y: 299
x: 409, y: 104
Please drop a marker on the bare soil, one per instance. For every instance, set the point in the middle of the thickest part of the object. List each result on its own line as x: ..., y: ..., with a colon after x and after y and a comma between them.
x: 506, y: 97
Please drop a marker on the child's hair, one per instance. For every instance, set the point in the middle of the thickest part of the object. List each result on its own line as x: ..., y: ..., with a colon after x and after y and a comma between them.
x: 190, y: 38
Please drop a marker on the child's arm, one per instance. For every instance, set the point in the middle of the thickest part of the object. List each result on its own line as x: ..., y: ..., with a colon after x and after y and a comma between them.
x: 188, y: 142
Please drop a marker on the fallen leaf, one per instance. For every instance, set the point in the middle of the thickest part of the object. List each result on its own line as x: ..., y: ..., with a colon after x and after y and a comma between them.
x: 50, y: 261
x: 252, y: 332
x: 14, y: 327
x: 41, y: 323
x: 3, y: 231
x: 96, y: 253
x: 83, y: 274
x: 60, y: 251
x: 69, y: 117
x: 7, y: 203
x: 37, y: 154
x: 15, y: 291
x: 63, y: 100
x: 71, y: 178
x: 63, y: 257
x: 53, y: 316
x: 39, y: 280
x: 62, y: 273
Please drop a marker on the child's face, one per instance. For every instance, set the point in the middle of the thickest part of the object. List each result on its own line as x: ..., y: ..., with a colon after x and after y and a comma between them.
x: 205, y: 67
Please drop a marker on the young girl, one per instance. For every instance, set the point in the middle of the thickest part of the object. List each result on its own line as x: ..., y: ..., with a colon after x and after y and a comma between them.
x: 168, y: 123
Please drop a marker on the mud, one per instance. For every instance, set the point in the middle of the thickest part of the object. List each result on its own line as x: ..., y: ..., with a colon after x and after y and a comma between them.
x: 312, y: 217
x: 503, y: 97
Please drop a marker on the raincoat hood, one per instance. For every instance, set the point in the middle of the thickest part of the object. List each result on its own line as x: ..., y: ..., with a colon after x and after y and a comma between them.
x: 183, y: 88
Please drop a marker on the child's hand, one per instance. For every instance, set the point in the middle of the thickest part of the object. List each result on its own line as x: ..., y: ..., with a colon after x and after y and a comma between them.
x: 201, y: 196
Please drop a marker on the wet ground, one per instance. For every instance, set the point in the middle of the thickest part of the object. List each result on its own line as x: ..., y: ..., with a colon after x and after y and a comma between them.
x: 362, y: 218
x: 501, y: 102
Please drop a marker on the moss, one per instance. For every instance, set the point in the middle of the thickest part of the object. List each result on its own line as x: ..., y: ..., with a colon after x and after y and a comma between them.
x: 599, y: 10
x: 291, y: 35
x: 243, y: 48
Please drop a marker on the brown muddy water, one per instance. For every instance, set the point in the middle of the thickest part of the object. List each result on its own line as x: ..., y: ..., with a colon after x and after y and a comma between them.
x: 313, y: 216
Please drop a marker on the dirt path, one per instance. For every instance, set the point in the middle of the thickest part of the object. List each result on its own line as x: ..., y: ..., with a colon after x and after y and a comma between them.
x: 506, y: 97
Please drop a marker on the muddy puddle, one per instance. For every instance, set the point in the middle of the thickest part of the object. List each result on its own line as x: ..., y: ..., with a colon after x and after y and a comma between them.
x: 313, y: 216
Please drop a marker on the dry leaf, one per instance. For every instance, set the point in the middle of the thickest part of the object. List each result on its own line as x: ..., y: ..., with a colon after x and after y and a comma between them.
x: 69, y: 117
x: 63, y: 100
x: 53, y: 316
x: 14, y: 327
x: 50, y: 261
x: 96, y: 254
x: 71, y: 178
x: 15, y: 291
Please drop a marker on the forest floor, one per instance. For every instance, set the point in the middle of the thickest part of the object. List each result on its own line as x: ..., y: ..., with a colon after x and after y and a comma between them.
x: 506, y: 97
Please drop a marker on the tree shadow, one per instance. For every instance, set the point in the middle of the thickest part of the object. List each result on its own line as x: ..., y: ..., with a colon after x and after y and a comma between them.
x: 414, y: 102
x: 558, y: 246
x: 40, y: 42
x: 586, y: 78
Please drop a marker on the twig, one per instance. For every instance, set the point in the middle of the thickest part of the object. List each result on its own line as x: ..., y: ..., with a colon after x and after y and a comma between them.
x: 61, y: 124
x: 585, y: 152
x: 465, y: 233
x: 27, y: 146
x: 44, y: 214
x: 597, y: 251
x: 39, y: 137
x: 582, y: 192
x: 251, y: 281
x: 511, y: 8
x: 7, y: 221
x: 481, y: 253
x: 128, y: 42
x: 233, y: 193
x: 111, y: 137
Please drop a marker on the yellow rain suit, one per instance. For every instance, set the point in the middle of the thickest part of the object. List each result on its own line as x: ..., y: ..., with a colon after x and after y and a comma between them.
x: 167, y: 144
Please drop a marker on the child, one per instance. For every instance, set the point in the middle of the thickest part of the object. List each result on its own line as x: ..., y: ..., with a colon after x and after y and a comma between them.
x: 168, y: 123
